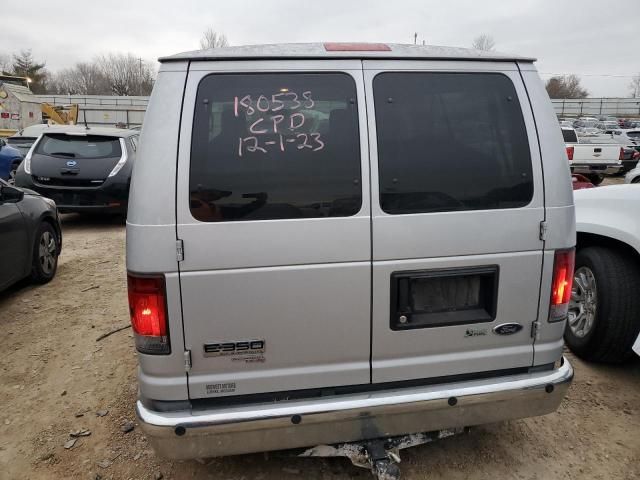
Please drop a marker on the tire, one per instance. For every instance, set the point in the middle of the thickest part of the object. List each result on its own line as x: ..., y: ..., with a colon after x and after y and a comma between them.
x: 45, y: 254
x: 614, y: 309
x: 636, y: 180
x: 595, y: 178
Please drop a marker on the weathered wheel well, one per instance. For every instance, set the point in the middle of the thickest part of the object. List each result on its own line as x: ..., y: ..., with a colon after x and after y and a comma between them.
x: 591, y: 239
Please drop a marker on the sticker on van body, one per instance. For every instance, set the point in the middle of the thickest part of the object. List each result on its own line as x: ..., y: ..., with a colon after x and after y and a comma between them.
x: 229, y: 387
x: 245, y: 349
x: 475, y: 332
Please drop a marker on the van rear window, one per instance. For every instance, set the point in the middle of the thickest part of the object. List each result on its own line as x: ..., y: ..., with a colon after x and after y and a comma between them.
x: 275, y: 146
x: 450, y: 142
x: 79, y: 146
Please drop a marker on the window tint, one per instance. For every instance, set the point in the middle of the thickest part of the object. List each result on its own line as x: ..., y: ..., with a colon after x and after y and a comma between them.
x: 449, y: 141
x: 85, y: 146
x: 274, y: 146
x: 569, y: 136
x: 633, y: 134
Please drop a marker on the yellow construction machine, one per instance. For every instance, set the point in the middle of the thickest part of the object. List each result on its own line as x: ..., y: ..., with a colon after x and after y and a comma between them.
x: 60, y: 114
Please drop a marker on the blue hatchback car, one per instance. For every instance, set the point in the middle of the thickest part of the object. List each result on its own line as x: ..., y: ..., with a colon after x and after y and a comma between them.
x: 10, y: 158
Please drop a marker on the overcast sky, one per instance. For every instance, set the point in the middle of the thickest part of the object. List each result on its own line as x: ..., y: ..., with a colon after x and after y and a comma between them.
x: 594, y: 38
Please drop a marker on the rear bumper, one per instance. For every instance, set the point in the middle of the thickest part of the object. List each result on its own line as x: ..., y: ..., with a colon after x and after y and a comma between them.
x: 293, y: 424
x: 113, y: 208
x: 111, y: 196
x: 603, y: 169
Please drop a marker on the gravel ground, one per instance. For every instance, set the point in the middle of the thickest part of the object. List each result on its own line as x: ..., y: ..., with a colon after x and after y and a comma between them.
x: 55, y: 379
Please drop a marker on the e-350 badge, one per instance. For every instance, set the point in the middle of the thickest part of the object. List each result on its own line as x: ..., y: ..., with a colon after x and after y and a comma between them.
x: 231, y: 349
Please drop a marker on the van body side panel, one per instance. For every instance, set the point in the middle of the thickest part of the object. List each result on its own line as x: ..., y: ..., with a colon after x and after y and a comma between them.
x: 452, y: 350
x: 271, y: 302
x: 151, y: 233
x: 301, y: 312
x: 163, y: 377
x: 560, y: 213
x: 440, y: 244
x: 155, y: 166
x: 554, y: 155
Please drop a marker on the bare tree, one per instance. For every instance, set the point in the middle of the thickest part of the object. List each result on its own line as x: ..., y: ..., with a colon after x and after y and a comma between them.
x: 127, y: 74
x: 565, y: 86
x: 5, y: 63
x: 483, y: 42
x: 62, y: 83
x: 81, y: 79
x: 212, y: 39
x: 634, y: 86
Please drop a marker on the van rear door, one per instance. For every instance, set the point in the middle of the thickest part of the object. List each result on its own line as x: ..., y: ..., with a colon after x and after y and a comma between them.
x: 273, y: 212
x: 457, y: 201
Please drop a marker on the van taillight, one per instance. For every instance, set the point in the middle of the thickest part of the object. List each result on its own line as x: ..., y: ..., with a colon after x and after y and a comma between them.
x: 621, y: 156
x: 148, y: 309
x: 570, y: 153
x: 562, y: 282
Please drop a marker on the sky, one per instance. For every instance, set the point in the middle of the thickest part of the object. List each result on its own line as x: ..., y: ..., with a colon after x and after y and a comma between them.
x: 592, y: 38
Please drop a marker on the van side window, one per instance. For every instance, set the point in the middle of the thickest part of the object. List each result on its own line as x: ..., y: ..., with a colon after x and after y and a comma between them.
x: 275, y: 146
x: 450, y: 142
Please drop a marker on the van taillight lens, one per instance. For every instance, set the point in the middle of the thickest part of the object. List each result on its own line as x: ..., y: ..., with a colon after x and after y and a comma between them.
x: 621, y: 156
x: 148, y: 309
x: 570, y: 153
x: 563, y: 265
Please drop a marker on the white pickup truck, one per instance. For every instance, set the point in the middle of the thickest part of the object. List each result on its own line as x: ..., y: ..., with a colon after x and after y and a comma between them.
x: 592, y: 159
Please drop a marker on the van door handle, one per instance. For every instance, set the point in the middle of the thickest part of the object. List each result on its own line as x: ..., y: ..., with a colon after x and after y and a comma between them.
x: 597, y: 150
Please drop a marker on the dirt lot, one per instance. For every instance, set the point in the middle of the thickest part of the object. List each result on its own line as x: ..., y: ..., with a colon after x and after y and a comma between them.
x: 55, y: 377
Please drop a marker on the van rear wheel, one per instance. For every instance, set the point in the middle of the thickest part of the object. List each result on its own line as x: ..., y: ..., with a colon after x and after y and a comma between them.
x: 604, y: 313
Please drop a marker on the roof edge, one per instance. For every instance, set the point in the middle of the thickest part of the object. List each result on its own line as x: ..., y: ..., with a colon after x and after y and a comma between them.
x: 318, y: 51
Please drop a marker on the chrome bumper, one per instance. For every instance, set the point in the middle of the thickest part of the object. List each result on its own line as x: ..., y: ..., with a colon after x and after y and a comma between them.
x: 597, y: 169
x: 345, y: 418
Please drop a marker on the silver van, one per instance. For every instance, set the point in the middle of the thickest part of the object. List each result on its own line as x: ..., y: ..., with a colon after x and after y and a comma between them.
x: 336, y: 242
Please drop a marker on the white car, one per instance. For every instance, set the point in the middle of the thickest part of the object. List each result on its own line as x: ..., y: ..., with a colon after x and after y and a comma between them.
x: 604, y: 313
x: 632, y: 176
x: 627, y: 137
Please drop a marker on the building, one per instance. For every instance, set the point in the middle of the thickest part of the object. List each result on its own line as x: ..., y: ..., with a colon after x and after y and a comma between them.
x: 102, y: 110
x: 19, y: 107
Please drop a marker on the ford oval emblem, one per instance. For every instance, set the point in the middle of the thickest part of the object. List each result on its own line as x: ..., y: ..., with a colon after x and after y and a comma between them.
x: 507, y: 329
x: 71, y: 163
